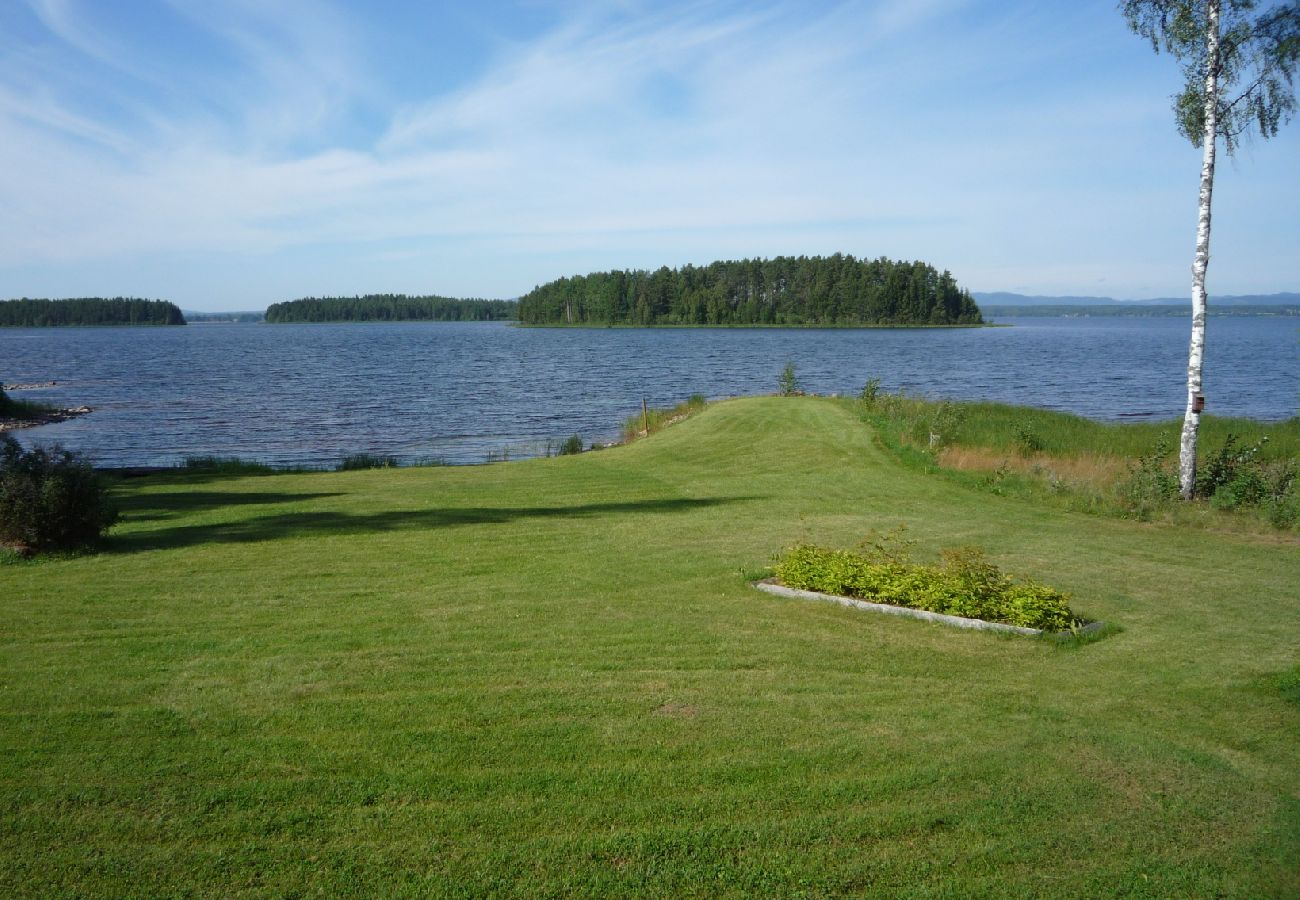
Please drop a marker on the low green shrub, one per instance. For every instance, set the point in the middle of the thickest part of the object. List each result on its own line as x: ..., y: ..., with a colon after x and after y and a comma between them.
x: 1284, y: 511
x: 1232, y: 477
x: 1237, y: 477
x: 1028, y: 441
x: 870, y: 393
x: 1151, y: 482
x: 1228, y: 464
x: 50, y: 499
x: 941, y: 427
x: 571, y: 445
x: 965, y: 584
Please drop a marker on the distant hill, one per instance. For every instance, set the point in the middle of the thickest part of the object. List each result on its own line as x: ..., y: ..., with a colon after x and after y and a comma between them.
x: 1136, y: 310
x: 1003, y: 298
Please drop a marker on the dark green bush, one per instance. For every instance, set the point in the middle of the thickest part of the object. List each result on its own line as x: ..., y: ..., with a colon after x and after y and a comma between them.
x: 1232, y: 477
x: 20, y: 409
x: 966, y: 584
x: 50, y: 499
x: 571, y: 445
x: 1224, y: 466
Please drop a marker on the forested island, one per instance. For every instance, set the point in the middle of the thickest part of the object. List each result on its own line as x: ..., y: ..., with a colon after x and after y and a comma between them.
x: 27, y: 313
x: 785, y: 290
x: 390, y: 308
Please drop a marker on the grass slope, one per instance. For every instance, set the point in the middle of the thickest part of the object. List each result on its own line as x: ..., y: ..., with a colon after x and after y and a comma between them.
x: 550, y: 677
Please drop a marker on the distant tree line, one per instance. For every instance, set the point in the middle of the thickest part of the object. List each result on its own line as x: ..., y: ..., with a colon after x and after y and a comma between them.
x: 786, y: 290
x: 390, y: 308
x: 89, y: 311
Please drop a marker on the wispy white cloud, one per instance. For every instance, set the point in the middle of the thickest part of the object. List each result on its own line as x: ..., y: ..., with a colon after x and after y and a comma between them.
x: 686, y: 131
x: 297, y: 71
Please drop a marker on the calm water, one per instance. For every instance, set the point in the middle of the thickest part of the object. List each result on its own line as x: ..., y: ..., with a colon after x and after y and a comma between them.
x: 311, y: 394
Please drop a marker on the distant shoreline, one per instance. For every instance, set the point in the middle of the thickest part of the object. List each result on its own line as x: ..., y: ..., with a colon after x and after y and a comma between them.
x: 1147, y: 311
x: 98, y: 325
x: 811, y: 326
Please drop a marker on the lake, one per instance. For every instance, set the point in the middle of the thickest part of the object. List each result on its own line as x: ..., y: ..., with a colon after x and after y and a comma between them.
x: 311, y: 394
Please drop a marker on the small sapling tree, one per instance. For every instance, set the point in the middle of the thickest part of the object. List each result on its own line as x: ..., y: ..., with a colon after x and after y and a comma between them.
x: 788, y: 381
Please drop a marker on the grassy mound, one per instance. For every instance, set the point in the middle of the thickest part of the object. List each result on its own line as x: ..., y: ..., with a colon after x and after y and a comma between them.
x: 1248, y: 470
x: 552, y: 677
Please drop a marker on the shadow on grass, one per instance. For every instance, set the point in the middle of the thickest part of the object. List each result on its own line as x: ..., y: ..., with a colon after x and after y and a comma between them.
x: 308, y: 524
x: 155, y: 507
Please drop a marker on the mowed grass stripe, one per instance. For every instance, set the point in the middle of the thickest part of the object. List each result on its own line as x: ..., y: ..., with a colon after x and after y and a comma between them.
x: 550, y: 677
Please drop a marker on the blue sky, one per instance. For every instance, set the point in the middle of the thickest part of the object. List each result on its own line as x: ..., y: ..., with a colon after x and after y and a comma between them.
x: 227, y: 154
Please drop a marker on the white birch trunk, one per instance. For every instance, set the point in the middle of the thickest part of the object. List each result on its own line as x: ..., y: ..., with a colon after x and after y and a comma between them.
x: 1196, y: 351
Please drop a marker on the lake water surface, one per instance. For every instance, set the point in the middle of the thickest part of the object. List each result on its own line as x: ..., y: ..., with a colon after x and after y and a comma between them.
x: 311, y: 394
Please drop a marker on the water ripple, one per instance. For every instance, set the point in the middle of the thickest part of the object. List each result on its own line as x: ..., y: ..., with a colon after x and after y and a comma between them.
x: 310, y: 394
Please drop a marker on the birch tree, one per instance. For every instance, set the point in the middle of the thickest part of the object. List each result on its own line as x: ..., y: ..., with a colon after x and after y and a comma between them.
x: 1237, y: 62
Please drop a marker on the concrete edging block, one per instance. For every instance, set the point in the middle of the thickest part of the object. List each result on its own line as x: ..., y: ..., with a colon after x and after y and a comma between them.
x: 769, y: 585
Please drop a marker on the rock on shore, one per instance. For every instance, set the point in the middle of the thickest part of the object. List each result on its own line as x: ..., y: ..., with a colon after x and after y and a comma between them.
x: 47, y: 418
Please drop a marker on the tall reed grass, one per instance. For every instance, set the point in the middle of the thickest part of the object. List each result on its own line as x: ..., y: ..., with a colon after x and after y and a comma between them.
x: 652, y: 420
x: 1246, y: 467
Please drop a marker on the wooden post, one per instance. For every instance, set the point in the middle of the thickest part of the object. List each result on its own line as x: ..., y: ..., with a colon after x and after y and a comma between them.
x: 645, y: 417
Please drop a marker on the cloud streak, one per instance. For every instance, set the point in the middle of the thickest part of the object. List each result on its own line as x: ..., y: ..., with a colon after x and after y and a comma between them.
x: 681, y: 133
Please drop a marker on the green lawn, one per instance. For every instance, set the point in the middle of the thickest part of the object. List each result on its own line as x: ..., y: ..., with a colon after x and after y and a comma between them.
x: 550, y: 677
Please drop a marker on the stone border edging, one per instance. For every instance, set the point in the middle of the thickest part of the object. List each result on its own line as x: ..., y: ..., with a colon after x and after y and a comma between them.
x: 769, y: 585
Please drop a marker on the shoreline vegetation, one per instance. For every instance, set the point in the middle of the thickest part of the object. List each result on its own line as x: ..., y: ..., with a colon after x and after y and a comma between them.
x: 88, y: 311
x: 16, y: 414
x: 785, y: 290
x: 1248, y: 477
x: 390, y: 308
